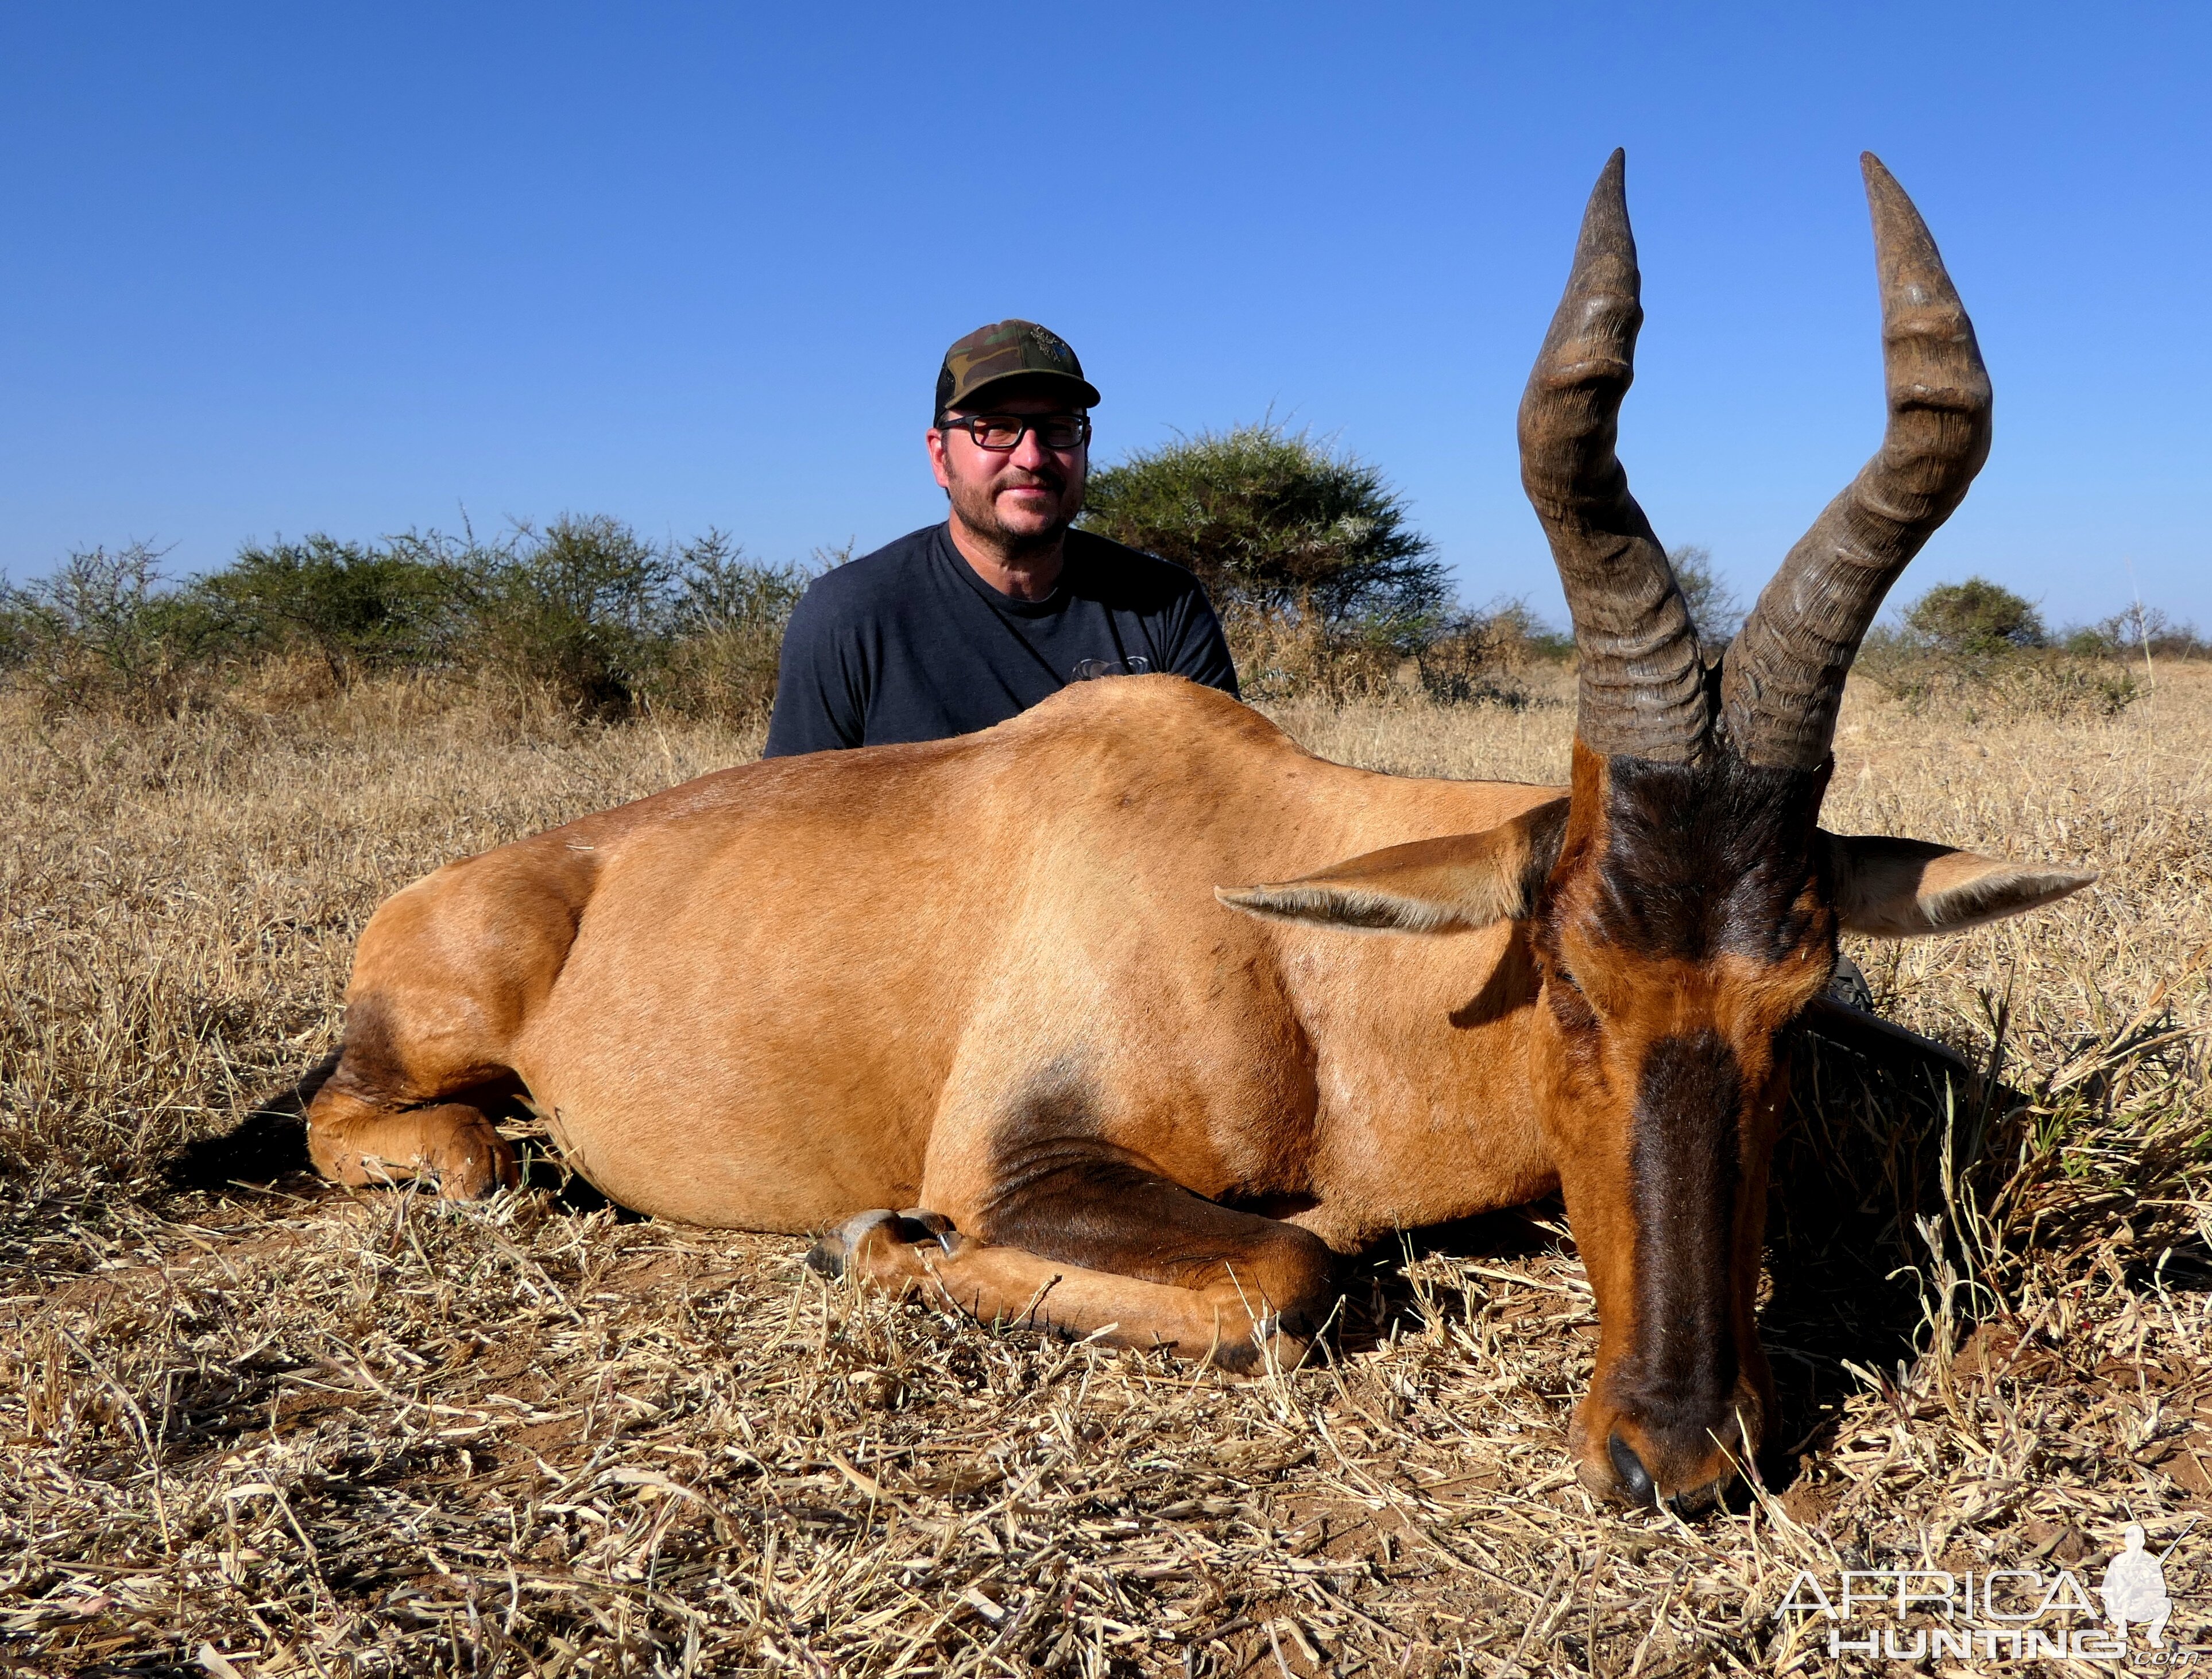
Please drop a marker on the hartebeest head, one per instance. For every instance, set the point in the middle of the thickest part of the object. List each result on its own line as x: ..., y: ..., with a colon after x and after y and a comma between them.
x: 1682, y: 906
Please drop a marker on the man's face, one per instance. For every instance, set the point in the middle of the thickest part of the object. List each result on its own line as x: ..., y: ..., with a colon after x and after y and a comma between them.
x: 1022, y: 499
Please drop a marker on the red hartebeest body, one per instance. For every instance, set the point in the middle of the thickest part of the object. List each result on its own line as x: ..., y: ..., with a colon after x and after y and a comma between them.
x: 909, y: 1017
x: 997, y: 978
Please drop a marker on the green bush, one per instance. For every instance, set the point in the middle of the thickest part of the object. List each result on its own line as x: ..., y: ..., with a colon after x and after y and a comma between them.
x: 1977, y: 618
x: 17, y: 634
x: 2138, y: 630
x: 356, y: 608
x: 1274, y: 521
x: 1467, y: 657
x: 576, y: 611
x: 1323, y: 586
x: 105, y: 631
x: 1484, y: 655
x: 726, y: 627
x: 585, y: 613
x: 1977, y: 650
x: 2047, y: 682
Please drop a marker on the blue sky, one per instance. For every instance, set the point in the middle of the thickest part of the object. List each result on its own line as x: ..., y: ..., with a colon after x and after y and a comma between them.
x: 281, y: 269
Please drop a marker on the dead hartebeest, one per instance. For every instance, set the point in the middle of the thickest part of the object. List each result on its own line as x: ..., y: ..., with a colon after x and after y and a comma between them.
x: 992, y: 977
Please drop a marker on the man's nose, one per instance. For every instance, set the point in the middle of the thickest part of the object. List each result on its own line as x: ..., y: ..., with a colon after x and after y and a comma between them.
x: 1030, y: 454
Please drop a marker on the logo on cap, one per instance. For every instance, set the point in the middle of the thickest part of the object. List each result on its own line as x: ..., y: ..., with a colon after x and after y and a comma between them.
x: 1055, y: 347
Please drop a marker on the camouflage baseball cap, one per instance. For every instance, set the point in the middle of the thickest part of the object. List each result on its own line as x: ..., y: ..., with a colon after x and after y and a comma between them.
x: 1008, y: 350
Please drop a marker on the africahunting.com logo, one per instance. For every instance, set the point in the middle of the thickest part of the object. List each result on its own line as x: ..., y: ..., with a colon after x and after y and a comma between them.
x: 2001, y: 1614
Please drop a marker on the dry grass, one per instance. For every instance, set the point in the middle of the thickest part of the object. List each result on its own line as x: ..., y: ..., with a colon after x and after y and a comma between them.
x: 302, y: 1430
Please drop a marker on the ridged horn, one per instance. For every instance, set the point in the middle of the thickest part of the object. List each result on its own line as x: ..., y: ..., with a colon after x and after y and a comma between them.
x: 1782, y: 677
x: 1643, y: 688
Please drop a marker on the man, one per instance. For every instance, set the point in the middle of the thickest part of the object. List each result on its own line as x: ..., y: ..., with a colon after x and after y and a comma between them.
x: 2135, y: 1589
x: 961, y: 625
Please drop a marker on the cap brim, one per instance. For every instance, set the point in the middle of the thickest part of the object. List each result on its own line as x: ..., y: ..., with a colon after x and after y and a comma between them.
x: 1085, y: 391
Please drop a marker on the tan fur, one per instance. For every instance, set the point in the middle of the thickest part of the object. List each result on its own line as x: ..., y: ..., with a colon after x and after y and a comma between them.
x: 1458, y: 883
x: 1897, y: 888
x: 807, y: 986
x: 781, y: 994
x: 1230, y: 1310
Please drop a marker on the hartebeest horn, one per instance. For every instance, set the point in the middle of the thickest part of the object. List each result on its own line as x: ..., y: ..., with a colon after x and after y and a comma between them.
x: 1643, y: 684
x: 1783, y: 676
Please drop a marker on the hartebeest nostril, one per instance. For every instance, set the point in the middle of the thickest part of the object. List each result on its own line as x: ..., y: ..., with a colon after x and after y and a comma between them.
x: 1635, y: 1479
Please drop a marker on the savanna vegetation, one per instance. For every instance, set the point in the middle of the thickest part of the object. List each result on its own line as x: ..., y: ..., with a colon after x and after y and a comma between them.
x: 584, y: 616
x: 257, y: 1425
x: 1976, y: 647
x: 1323, y: 585
x: 1325, y: 588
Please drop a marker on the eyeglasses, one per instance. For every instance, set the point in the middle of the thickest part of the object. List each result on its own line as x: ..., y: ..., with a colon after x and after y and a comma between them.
x: 1003, y: 433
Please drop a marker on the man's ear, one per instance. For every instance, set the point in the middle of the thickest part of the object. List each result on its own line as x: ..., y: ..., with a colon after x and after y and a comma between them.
x: 1451, y: 885
x: 1895, y: 888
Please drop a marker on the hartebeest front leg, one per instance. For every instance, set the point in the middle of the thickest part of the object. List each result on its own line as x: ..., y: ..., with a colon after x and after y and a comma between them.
x: 402, y: 1103
x: 448, y: 971
x: 1134, y: 1260
x: 452, y: 1144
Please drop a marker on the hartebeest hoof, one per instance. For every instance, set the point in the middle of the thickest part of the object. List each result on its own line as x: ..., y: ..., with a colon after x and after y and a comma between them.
x: 834, y: 1255
x: 1266, y: 1350
x: 933, y: 1223
x: 452, y: 1145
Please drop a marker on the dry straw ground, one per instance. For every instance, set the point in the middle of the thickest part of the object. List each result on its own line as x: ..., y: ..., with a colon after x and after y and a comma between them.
x: 298, y: 1430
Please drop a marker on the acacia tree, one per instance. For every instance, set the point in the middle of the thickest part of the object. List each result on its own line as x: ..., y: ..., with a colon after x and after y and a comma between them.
x: 1714, y: 607
x: 1275, y: 519
x: 1975, y: 617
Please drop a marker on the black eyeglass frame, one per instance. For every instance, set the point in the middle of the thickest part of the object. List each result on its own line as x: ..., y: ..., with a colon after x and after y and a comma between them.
x: 1023, y: 425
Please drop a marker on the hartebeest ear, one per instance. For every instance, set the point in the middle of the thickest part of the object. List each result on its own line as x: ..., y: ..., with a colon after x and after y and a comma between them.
x: 1450, y: 884
x: 1895, y: 888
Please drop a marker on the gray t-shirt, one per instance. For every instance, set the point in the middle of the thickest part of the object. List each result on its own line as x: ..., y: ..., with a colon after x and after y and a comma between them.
x: 908, y: 643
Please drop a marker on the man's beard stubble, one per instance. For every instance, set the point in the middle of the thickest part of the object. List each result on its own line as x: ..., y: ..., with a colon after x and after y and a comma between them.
x: 978, y: 506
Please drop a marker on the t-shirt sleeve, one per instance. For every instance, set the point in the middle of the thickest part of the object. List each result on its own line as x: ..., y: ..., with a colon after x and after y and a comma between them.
x: 821, y: 687
x: 1201, y: 651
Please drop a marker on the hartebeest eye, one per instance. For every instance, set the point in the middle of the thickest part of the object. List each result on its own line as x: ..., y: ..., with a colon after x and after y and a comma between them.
x: 1554, y: 971
x: 1563, y: 994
